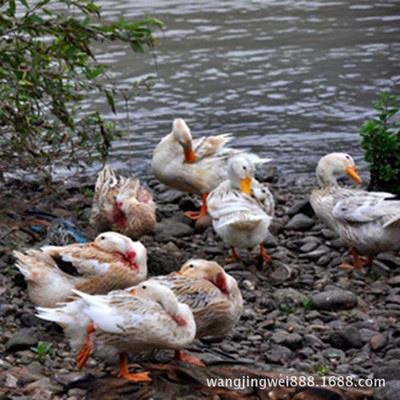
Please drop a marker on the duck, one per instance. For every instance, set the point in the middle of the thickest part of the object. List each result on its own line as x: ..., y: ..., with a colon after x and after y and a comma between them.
x: 146, y: 317
x: 367, y: 222
x: 193, y: 166
x: 241, y: 209
x: 213, y: 296
x: 122, y: 205
x: 112, y: 261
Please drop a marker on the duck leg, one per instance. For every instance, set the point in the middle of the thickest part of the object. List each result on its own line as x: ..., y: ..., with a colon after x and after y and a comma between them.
x: 195, y: 215
x: 187, y: 358
x: 234, y: 257
x: 87, y: 347
x: 124, y: 371
x: 358, y: 261
x: 263, y: 254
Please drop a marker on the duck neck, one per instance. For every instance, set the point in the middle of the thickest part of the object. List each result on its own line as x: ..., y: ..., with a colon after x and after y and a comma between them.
x: 325, y: 178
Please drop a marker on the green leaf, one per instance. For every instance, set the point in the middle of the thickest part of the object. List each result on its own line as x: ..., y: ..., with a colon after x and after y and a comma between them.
x: 110, y: 100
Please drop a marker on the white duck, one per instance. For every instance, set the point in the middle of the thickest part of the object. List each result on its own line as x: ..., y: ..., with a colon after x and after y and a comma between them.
x: 212, y: 294
x: 368, y: 222
x: 111, y: 262
x: 241, y: 208
x: 147, y: 317
x: 122, y: 204
x: 192, y: 166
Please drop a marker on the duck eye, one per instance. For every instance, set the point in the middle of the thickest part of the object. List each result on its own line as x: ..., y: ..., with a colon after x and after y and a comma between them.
x: 263, y: 191
x: 191, y: 266
x: 144, y: 287
x: 244, y: 167
x: 102, y: 237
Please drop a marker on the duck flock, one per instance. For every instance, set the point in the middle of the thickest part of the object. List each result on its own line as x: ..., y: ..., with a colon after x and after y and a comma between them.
x: 99, y: 292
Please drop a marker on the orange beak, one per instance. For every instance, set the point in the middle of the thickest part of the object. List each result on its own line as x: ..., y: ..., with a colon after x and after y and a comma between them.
x: 133, y: 292
x: 245, y: 185
x: 190, y: 155
x: 352, y: 173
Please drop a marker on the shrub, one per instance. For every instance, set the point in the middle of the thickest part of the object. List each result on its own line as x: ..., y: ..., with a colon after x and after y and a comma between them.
x: 47, y: 68
x: 380, y: 138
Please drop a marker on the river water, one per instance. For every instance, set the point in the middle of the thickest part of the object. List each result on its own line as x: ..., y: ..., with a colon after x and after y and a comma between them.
x: 290, y: 79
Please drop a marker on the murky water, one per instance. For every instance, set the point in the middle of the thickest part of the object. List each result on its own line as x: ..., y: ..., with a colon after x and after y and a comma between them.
x: 289, y: 79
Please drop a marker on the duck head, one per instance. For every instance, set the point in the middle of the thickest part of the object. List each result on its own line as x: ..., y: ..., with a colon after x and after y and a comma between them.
x: 335, y: 164
x: 241, y: 173
x: 181, y: 133
x: 134, y: 253
x: 209, y: 270
x: 152, y: 290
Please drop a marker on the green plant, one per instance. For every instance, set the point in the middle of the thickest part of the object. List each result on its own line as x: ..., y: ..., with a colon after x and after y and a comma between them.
x: 321, y: 369
x: 380, y: 138
x: 42, y: 350
x: 307, y: 304
x: 48, y: 66
x: 88, y: 192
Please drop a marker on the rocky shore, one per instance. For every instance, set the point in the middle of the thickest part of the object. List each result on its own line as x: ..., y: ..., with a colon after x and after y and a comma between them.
x: 302, y: 314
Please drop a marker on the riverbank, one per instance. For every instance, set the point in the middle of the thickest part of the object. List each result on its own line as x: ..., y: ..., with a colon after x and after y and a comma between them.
x: 302, y: 314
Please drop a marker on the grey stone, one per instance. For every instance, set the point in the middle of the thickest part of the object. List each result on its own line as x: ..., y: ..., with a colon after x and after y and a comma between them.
x: 278, y: 354
x: 300, y: 222
x: 390, y: 391
x: 288, y: 296
x: 346, y: 338
x: 171, y: 227
x: 266, y: 172
x: 309, y: 246
x: 388, y: 372
x: 334, y: 300
x: 293, y: 341
x: 23, y: 339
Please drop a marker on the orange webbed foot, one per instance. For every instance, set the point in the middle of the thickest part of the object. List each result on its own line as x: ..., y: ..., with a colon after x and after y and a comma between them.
x: 136, y: 377
x: 264, y: 256
x: 189, y: 359
x: 87, y: 347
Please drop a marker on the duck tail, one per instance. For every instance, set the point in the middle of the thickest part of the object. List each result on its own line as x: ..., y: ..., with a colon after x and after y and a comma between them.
x: 33, y: 264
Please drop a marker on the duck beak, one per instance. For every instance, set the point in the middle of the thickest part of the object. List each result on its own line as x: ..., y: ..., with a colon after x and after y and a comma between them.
x: 352, y: 173
x: 221, y: 283
x: 245, y: 185
x: 133, y: 292
x: 190, y: 155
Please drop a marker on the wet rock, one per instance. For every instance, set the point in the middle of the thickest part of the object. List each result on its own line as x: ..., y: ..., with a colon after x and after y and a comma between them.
x: 169, y: 196
x: 334, y: 300
x: 293, y: 341
x: 389, y: 392
x: 301, y: 207
x: 188, y: 204
x: 278, y: 354
x: 300, y: 222
x: 266, y: 172
x: 377, y: 342
x: 309, y: 246
x: 291, y: 296
x: 23, y: 339
x: 171, y: 227
x: 389, y: 372
x: 346, y: 339
x: 317, y: 253
x: 395, y: 281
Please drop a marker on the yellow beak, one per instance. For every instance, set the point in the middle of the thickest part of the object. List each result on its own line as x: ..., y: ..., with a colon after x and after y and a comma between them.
x: 245, y: 185
x: 133, y: 292
x: 352, y: 173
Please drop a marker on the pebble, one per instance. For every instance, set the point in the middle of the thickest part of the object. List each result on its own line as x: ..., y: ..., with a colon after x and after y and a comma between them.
x: 278, y: 354
x: 293, y: 341
x: 171, y: 227
x: 346, y: 339
x: 300, y: 222
x: 377, y: 342
x: 23, y: 339
x: 334, y: 300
